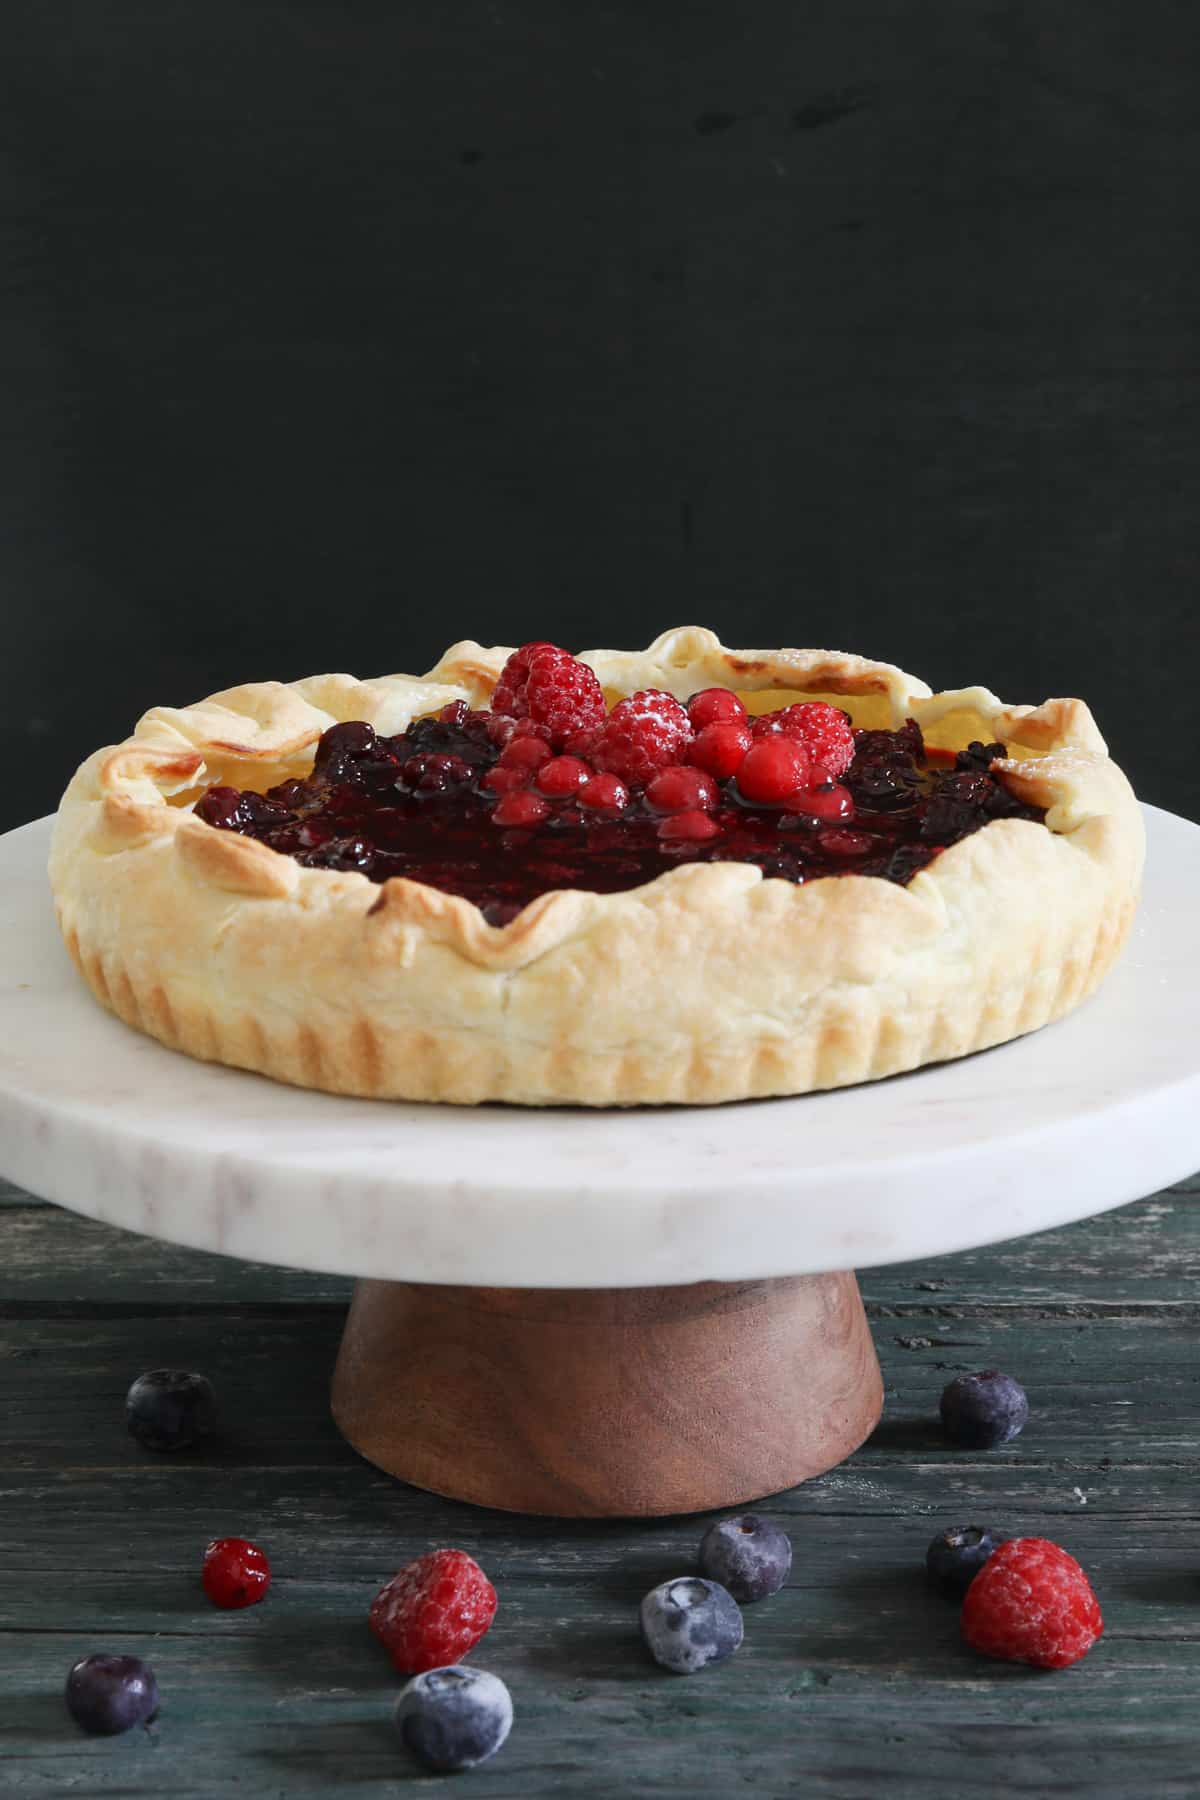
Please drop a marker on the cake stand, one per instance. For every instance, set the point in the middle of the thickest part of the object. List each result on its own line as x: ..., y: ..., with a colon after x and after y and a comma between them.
x: 605, y: 1313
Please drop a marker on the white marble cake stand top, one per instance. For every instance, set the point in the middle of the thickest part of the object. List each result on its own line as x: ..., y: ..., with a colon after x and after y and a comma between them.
x: 1087, y: 1114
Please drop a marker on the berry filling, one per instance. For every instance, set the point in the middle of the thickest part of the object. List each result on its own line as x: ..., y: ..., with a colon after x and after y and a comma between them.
x: 547, y: 791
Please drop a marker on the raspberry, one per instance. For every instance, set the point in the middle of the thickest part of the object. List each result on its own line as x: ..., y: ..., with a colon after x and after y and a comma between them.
x: 825, y: 732
x: 434, y: 1611
x: 774, y: 768
x: 678, y: 790
x: 518, y: 808
x: 545, y: 684
x: 720, y: 749
x: 604, y: 793
x: 235, y: 1572
x: 715, y: 706
x: 688, y: 828
x: 1031, y: 1602
x: 562, y: 777
x: 642, y: 735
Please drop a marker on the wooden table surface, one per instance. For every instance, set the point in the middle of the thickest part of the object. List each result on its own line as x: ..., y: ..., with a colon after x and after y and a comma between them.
x: 851, y: 1683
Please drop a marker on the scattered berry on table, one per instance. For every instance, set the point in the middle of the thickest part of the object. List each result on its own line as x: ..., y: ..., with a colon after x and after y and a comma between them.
x: 1031, y: 1602
x: 748, y: 1555
x: 549, y: 686
x: 773, y: 769
x: 434, y: 1611
x: 955, y: 1557
x: 689, y: 1623
x: 108, y: 1694
x: 982, y: 1410
x: 454, y: 1718
x: 715, y: 706
x: 642, y: 735
x: 235, y: 1572
x: 168, y: 1409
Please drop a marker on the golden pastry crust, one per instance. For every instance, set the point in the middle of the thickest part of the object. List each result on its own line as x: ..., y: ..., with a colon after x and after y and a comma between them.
x: 707, y: 984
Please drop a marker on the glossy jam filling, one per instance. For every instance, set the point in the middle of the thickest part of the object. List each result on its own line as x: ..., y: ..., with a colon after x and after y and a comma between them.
x: 361, y: 810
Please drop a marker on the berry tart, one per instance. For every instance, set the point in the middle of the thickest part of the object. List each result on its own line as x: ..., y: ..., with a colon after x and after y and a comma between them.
x: 681, y: 874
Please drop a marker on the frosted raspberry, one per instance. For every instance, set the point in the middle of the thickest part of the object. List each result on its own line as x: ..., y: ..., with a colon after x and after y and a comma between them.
x: 642, y: 735
x: 1031, y: 1602
x: 720, y: 748
x: 773, y: 770
x: 433, y: 1611
x: 825, y: 732
x: 545, y: 684
x: 679, y: 790
x: 715, y: 706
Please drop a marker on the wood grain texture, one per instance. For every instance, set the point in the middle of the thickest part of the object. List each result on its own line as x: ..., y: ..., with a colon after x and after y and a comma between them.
x: 852, y: 1683
x: 587, y: 1403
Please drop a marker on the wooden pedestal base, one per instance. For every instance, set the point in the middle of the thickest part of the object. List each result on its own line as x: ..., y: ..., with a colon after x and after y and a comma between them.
x: 608, y: 1402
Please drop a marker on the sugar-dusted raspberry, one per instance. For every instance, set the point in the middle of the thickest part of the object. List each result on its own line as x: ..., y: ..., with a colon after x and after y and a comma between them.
x: 826, y: 733
x: 773, y: 770
x: 1031, y: 1602
x: 721, y: 748
x: 519, y: 810
x: 434, y: 1611
x: 642, y: 735
x: 715, y: 706
x: 688, y: 828
x: 562, y: 777
x: 549, y: 686
x: 678, y: 789
x: 604, y: 794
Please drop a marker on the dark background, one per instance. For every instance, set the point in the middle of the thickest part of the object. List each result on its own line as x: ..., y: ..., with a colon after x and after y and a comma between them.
x: 334, y: 332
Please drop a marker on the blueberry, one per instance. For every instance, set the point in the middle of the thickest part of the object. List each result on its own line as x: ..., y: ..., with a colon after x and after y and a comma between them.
x: 454, y: 1718
x: 689, y: 1623
x: 168, y: 1409
x: 955, y: 1558
x: 982, y: 1410
x: 107, y: 1694
x: 748, y: 1555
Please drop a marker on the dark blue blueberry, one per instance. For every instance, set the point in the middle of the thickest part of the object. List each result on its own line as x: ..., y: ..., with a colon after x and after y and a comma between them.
x: 168, y: 1409
x: 748, y: 1555
x: 108, y: 1694
x: 955, y: 1558
x: 983, y: 1410
x: 689, y: 1623
x: 454, y: 1718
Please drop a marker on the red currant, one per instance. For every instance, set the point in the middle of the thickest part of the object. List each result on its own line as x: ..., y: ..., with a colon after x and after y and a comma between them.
x: 832, y: 803
x: 714, y: 706
x: 235, y: 1572
x: 525, y: 753
x: 503, y: 780
x: 519, y: 809
x: 720, y: 748
x: 679, y: 790
x: 562, y: 777
x: 604, y: 793
x: 773, y: 769
x: 688, y: 828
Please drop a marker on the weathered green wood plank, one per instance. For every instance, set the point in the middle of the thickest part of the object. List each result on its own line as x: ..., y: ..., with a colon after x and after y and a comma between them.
x: 853, y: 1682
x: 1141, y: 1255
